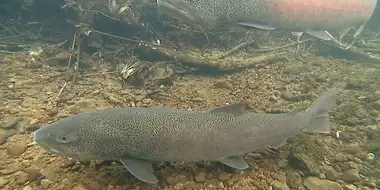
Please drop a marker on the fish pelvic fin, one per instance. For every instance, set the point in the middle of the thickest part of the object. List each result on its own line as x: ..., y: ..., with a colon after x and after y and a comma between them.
x: 318, y: 112
x: 141, y: 169
x: 236, y: 162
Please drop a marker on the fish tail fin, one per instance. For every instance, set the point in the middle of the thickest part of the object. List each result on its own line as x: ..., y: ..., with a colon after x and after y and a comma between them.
x: 318, y: 112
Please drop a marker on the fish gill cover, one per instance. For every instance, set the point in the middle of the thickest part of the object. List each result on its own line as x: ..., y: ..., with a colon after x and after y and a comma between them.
x: 64, y: 57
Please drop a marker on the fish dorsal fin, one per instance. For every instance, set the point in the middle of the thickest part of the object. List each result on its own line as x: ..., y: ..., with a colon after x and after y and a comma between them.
x: 234, y: 109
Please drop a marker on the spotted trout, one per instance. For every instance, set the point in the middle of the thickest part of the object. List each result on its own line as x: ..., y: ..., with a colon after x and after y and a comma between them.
x: 316, y: 17
x: 138, y: 137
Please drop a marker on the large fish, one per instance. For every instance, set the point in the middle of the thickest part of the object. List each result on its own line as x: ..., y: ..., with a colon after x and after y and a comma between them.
x: 316, y: 17
x: 139, y: 137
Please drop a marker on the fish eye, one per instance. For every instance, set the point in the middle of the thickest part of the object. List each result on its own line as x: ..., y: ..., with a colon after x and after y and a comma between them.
x: 64, y: 139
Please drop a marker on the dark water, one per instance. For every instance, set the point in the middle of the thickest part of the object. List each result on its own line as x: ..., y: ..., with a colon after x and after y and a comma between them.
x: 374, y: 23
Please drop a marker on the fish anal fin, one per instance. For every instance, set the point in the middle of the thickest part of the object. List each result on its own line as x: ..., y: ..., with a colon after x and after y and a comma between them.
x: 141, y: 169
x: 234, y: 109
x: 236, y: 162
x: 258, y: 26
x: 321, y: 34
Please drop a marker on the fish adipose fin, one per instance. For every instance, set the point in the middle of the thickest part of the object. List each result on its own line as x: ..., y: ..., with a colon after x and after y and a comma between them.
x: 234, y: 109
x: 259, y: 26
x: 319, y: 112
x: 141, y: 169
x: 236, y: 162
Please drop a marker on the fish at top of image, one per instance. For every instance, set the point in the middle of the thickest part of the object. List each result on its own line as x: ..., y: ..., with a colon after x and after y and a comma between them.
x: 315, y: 17
x: 138, y: 137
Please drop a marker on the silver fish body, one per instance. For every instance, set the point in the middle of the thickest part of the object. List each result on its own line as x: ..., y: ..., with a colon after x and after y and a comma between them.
x: 315, y: 17
x: 139, y: 136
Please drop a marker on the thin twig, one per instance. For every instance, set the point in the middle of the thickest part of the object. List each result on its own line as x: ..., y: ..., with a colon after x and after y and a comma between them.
x: 281, y: 47
x: 72, y: 48
x: 236, y: 48
x: 60, y: 92
x: 76, y: 66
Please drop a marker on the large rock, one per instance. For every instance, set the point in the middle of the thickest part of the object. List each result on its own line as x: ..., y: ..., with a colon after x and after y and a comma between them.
x: 351, y: 176
x: 315, y: 183
x: 277, y: 185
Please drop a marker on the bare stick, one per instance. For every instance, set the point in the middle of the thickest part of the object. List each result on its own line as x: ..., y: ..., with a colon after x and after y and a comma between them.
x: 72, y: 48
x: 235, y: 49
x: 281, y: 47
x: 60, y: 92
x: 76, y: 66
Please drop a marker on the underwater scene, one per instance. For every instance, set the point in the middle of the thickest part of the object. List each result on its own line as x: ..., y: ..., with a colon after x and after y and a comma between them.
x: 189, y: 94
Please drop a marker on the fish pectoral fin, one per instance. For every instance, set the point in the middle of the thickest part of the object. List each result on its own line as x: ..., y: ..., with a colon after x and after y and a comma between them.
x: 234, y: 109
x: 321, y: 34
x: 236, y: 162
x: 141, y: 169
x: 259, y: 26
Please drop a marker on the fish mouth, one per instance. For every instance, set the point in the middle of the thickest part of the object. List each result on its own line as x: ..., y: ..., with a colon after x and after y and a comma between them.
x: 38, y: 138
x: 176, y: 9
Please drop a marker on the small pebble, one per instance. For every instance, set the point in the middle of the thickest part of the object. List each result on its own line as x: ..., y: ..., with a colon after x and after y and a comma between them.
x: 45, y: 183
x: 288, y: 96
x: 22, y: 178
x: 3, y: 139
x: 351, y: 176
x: 33, y: 174
x: 25, y: 163
x: 27, y: 188
x: 9, y: 170
x: 16, y: 149
x: 11, y: 124
x: 33, y: 121
x: 79, y: 187
x: 69, y: 163
x: 3, y: 182
x: 340, y: 157
x: 33, y: 127
x: 201, y: 177
x: 224, y: 176
x: 331, y: 174
x: 220, y: 184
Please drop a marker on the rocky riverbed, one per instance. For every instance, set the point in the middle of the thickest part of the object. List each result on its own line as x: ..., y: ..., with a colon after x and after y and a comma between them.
x: 346, y: 159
